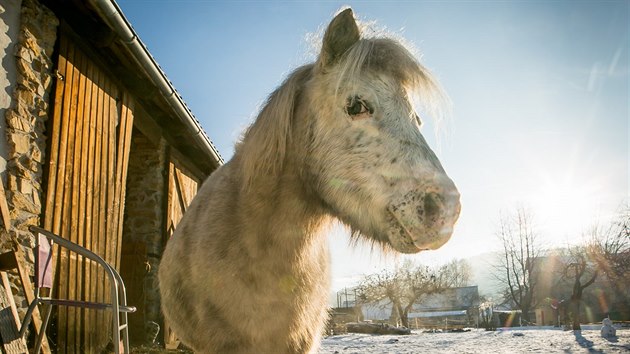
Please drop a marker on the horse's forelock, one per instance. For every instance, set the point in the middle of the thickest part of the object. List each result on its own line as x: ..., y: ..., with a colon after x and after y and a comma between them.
x: 263, y: 146
x: 389, y: 56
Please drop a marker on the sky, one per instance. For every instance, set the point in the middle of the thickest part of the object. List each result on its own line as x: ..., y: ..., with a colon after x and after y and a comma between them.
x: 539, y: 91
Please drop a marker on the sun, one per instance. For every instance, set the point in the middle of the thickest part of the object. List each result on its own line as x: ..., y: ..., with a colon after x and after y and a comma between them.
x: 565, y: 208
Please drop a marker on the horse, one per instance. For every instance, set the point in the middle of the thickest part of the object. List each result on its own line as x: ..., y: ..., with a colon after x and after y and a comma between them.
x: 247, y: 268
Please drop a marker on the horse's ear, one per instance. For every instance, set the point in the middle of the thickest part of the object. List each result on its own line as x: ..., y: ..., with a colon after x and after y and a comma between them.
x: 341, y: 34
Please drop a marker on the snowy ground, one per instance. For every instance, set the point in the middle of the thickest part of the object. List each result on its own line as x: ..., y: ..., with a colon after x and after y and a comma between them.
x: 519, y: 340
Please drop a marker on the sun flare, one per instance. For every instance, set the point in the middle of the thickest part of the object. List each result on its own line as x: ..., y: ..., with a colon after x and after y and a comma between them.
x: 565, y: 208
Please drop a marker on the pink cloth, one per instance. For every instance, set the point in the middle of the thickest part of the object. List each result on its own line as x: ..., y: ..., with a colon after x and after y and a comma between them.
x: 44, y: 260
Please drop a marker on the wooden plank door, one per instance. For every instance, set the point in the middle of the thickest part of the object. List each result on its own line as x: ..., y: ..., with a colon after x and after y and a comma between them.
x: 182, y: 187
x: 89, y: 136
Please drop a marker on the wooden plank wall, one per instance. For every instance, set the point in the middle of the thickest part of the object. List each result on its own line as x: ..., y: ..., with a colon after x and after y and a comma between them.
x: 182, y: 187
x: 89, y: 136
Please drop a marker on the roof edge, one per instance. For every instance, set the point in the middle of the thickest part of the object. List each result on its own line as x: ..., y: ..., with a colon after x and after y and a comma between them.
x: 113, y: 16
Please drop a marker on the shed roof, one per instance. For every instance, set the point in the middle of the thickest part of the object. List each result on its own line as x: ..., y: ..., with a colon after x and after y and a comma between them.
x: 102, y: 24
x: 428, y: 314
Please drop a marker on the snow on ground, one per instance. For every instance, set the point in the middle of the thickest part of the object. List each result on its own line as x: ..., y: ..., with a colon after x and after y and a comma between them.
x: 514, y: 340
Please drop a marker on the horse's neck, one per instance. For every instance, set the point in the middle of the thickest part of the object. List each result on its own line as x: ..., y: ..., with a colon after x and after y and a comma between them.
x: 278, y: 212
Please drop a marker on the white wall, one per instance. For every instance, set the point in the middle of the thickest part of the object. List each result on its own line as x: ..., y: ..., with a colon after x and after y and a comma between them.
x: 377, y: 311
x: 9, y: 28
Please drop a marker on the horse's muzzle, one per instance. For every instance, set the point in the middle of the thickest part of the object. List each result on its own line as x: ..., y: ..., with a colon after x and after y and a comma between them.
x: 423, y: 218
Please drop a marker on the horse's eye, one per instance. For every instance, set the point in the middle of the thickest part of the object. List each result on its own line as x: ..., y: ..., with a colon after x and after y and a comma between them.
x: 357, y: 108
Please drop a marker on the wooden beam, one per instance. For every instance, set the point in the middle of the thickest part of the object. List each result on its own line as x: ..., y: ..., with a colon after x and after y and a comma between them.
x: 4, y: 208
x: 9, y: 321
x: 13, y: 261
x: 29, y: 293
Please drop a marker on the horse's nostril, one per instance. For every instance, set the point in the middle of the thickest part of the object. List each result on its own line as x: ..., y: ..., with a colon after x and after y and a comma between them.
x: 431, y: 207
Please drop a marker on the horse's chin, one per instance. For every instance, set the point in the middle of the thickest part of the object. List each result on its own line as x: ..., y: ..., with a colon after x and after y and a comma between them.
x: 404, y: 237
x: 408, y: 235
x: 403, y: 246
x: 403, y: 241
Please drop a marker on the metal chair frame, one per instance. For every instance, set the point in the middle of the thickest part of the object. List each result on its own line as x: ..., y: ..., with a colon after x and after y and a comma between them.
x: 43, y: 279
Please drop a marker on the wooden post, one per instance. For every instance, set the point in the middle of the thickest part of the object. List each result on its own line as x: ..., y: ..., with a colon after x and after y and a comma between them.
x: 15, y: 260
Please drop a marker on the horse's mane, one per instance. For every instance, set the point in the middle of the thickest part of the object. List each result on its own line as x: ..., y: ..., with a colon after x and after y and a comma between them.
x: 263, y: 146
x: 264, y: 143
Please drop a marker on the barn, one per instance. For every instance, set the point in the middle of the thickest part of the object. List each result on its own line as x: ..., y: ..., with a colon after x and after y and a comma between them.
x: 97, y: 146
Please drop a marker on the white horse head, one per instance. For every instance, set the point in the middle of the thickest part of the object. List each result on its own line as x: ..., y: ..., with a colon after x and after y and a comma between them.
x: 361, y: 148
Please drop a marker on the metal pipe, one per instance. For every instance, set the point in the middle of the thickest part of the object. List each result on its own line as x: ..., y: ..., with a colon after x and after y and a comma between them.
x: 117, y: 21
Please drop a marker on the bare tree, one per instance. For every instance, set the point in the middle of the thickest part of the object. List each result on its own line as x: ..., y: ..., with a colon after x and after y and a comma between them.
x: 402, y: 288
x: 577, y: 269
x: 409, y: 284
x: 454, y: 274
x: 609, y: 247
x: 521, y: 251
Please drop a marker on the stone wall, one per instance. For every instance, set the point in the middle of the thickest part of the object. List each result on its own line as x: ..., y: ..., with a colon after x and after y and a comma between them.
x: 144, y: 227
x: 9, y: 28
x: 26, y: 124
x: 26, y: 120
